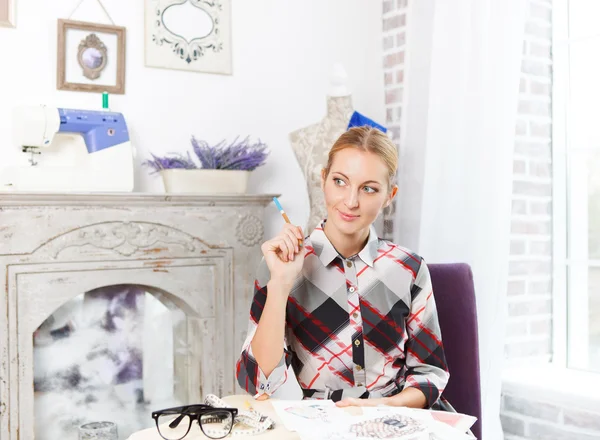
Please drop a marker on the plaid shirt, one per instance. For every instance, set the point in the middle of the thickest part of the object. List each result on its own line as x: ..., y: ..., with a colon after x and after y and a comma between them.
x: 365, y: 326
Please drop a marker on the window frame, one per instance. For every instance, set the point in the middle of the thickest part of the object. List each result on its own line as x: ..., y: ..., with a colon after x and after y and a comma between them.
x: 570, y: 269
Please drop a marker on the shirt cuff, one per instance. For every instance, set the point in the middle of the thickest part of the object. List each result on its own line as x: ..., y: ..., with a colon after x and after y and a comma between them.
x: 427, y: 387
x: 268, y: 385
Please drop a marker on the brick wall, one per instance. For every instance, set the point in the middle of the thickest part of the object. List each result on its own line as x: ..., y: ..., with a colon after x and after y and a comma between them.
x: 529, y: 332
x: 538, y: 419
x: 394, y: 48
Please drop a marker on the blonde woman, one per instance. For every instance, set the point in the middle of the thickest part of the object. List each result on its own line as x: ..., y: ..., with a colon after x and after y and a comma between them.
x: 353, y: 314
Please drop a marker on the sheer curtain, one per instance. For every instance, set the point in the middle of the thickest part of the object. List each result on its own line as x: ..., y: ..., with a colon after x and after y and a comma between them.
x: 463, y: 69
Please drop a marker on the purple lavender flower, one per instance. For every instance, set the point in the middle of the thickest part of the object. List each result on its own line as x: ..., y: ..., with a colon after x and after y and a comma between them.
x: 175, y: 160
x: 242, y: 155
x: 238, y: 155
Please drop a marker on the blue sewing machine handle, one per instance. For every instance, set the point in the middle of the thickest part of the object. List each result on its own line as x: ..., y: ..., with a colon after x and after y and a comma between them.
x: 100, y: 129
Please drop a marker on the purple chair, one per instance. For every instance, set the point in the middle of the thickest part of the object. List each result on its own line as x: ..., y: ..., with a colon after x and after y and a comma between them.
x: 455, y: 299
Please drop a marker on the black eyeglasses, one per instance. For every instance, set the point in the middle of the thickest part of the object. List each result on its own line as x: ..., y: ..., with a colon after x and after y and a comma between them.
x: 175, y: 423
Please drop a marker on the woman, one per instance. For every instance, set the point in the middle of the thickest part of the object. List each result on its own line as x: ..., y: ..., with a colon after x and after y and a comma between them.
x: 353, y: 314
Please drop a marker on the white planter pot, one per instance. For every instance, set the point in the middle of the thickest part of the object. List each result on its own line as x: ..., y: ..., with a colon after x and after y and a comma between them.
x: 205, y: 181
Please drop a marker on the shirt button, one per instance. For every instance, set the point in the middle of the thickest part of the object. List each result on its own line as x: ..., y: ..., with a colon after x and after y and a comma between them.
x: 349, y: 263
x: 355, y: 315
x: 358, y: 368
x: 357, y: 342
x: 352, y: 289
x: 359, y: 384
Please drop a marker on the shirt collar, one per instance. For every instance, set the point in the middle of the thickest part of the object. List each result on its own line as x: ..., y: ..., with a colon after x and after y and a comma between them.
x: 327, y: 253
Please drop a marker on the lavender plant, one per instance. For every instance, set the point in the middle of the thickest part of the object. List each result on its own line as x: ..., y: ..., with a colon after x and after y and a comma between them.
x: 238, y: 155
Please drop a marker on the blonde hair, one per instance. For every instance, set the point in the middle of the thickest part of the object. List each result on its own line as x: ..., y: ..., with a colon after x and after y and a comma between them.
x: 372, y: 140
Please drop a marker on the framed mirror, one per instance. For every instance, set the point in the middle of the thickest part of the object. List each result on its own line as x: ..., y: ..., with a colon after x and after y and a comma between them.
x: 192, y: 35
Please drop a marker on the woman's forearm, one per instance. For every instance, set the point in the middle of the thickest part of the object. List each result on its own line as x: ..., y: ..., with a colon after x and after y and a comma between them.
x: 267, y: 343
x: 409, y: 397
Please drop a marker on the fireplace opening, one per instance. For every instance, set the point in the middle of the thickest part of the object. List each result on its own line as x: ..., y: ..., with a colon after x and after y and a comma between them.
x: 112, y: 354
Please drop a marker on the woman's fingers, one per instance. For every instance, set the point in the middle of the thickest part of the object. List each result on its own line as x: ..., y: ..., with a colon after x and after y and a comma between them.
x: 295, y: 230
x: 294, y: 239
x: 289, y: 241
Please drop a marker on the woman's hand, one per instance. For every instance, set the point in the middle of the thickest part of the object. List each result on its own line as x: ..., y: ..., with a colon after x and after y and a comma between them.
x: 284, y: 255
x: 353, y: 401
x: 409, y: 397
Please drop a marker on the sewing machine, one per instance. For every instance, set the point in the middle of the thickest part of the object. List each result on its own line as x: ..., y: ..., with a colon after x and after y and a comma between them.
x: 69, y: 150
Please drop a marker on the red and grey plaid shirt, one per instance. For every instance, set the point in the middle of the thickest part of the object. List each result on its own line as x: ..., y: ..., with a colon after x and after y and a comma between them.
x: 365, y: 326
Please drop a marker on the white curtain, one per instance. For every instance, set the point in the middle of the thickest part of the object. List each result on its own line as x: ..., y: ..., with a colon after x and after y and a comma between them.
x: 463, y: 68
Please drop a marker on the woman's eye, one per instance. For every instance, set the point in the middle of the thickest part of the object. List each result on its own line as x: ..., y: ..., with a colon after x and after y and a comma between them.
x: 369, y: 189
x: 339, y: 182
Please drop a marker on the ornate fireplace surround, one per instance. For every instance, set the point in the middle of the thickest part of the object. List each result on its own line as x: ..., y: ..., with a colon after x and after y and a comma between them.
x: 199, y: 251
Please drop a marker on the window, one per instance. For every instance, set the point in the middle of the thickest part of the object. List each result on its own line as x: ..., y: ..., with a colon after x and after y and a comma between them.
x: 576, y: 158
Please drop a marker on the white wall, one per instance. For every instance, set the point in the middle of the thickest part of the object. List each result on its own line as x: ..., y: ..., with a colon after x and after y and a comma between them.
x: 282, y: 53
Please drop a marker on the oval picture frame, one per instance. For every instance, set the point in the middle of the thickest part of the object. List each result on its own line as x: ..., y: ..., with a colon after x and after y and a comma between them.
x: 92, y: 56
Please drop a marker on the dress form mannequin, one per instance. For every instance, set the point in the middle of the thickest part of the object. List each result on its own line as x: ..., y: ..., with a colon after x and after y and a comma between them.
x: 312, y: 144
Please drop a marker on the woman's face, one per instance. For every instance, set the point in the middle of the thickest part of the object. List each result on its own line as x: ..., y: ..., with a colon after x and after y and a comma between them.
x: 356, y: 190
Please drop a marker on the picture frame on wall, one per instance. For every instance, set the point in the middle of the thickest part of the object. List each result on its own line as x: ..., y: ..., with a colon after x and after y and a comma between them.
x: 192, y: 35
x: 90, y: 57
x: 7, y: 13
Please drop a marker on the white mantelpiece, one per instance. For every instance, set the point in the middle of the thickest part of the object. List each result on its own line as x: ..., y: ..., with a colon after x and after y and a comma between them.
x: 201, y: 251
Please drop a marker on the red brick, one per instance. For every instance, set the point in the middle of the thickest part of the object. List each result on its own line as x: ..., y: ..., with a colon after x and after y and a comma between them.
x: 400, y: 76
x: 539, y: 287
x: 516, y: 287
x: 517, y: 247
x: 540, y: 169
x: 388, y: 6
x: 388, y: 43
x: 393, y: 59
x: 540, y: 129
x: 538, y: 306
x: 523, y: 85
x: 393, y: 96
x: 540, y: 208
x: 534, y: 149
x: 399, y: 113
x: 521, y: 128
x: 395, y: 132
x: 516, y: 329
x: 540, y: 88
x: 540, y: 327
x: 539, y: 30
x: 401, y: 39
x: 540, y: 248
x: 536, y: 108
x: 535, y: 189
x: 519, y: 207
x: 394, y: 22
x: 540, y: 12
x: 535, y: 67
x: 531, y: 227
x: 519, y: 167
x: 539, y: 49
x: 388, y: 78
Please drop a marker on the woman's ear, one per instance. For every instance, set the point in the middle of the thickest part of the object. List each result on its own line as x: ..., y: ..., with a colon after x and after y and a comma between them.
x: 323, y: 177
x: 391, y: 196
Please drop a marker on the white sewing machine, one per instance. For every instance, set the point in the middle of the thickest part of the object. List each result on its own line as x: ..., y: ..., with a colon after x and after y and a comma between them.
x: 69, y: 150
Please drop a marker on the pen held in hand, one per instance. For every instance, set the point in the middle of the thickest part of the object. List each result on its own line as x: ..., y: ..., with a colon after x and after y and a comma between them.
x: 284, y: 215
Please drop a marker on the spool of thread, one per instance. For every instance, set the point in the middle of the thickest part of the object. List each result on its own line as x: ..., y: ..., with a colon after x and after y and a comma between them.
x: 105, y: 100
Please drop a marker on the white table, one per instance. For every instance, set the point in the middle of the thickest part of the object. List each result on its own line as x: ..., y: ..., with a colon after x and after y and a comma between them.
x: 238, y: 401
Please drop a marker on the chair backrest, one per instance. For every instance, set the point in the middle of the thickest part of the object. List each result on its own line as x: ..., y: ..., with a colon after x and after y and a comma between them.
x: 454, y: 294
